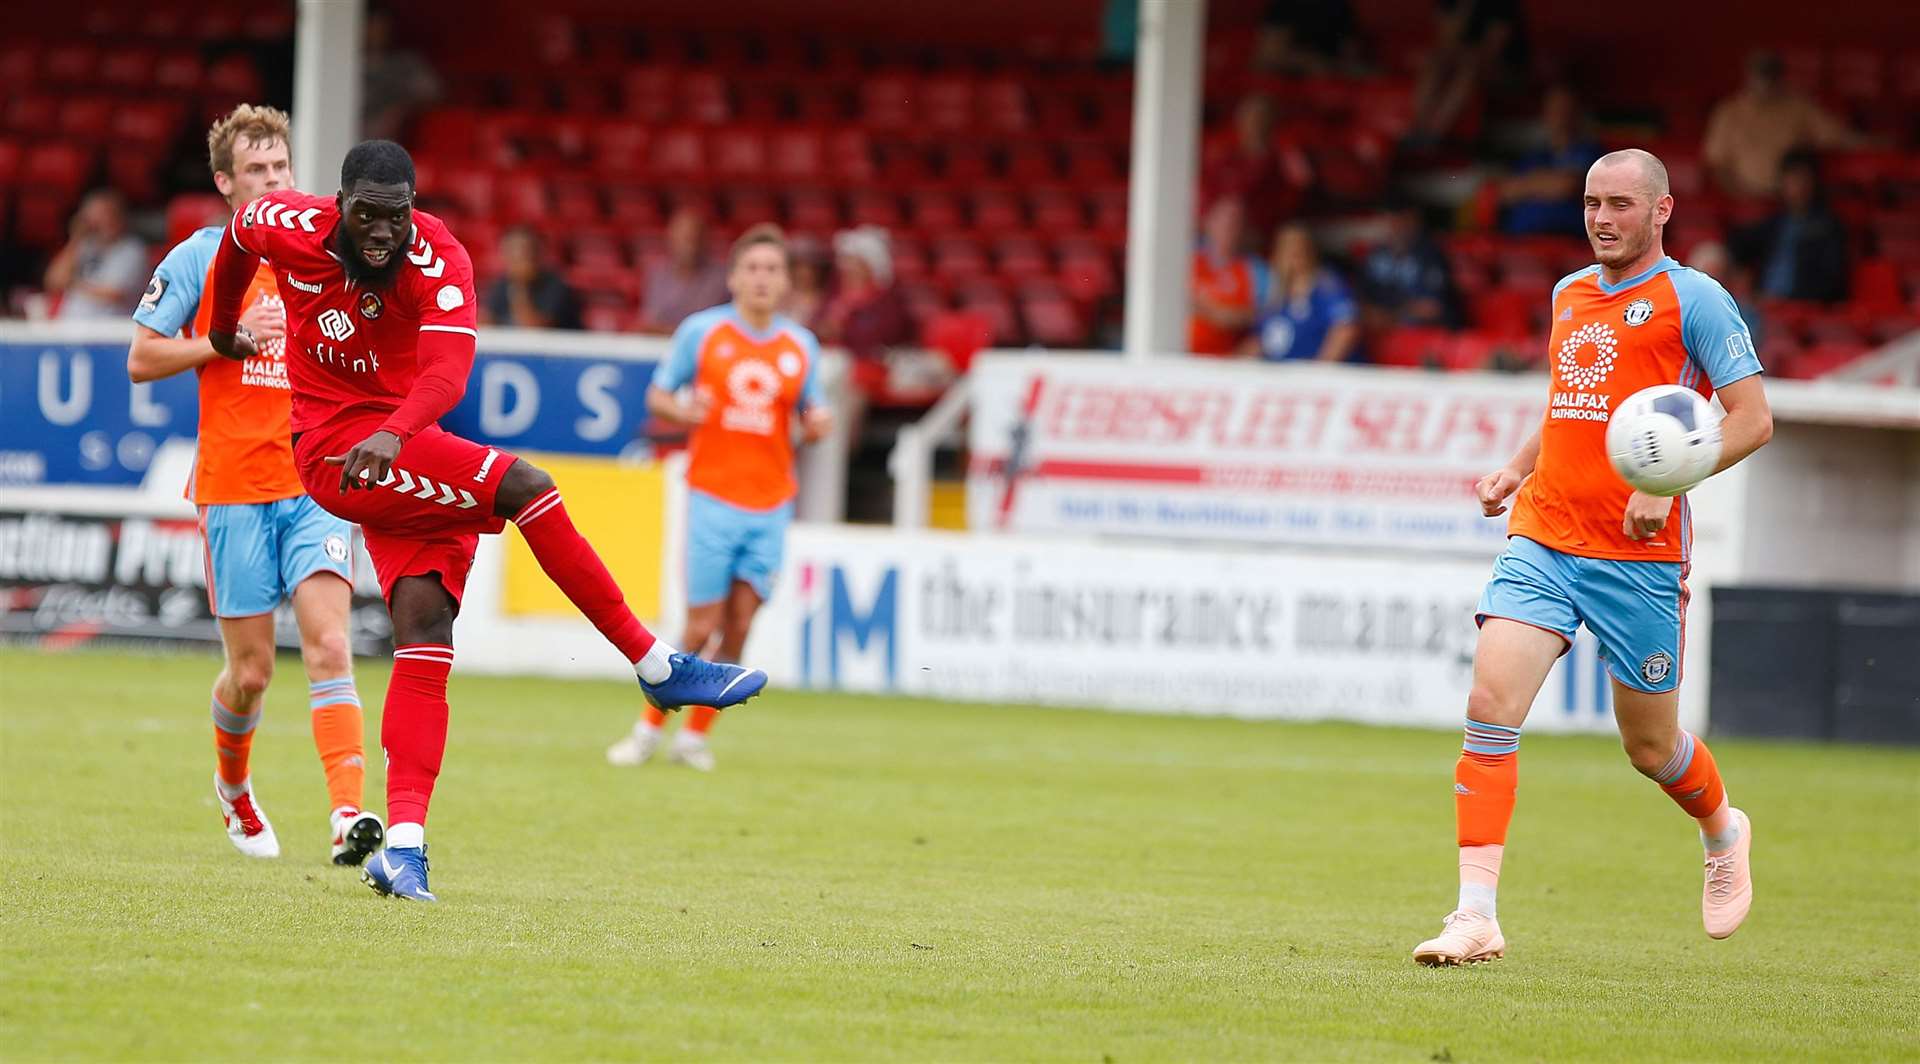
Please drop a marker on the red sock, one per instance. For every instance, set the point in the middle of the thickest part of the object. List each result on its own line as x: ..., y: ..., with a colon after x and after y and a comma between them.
x: 700, y: 720
x: 413, y: 728
x: 577, y: 571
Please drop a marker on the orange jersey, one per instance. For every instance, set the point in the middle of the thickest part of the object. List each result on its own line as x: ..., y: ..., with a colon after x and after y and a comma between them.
x: 754, y: 383
x: 1240, y: 283
x: 245, y: 452
x: 1668, y: 325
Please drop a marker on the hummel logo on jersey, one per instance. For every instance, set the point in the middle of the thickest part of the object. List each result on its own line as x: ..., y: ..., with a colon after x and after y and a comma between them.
x: 430, y: 264
x: 1567, y: 314
x: 335, y: 325
x: 421, y: 488
x: 304, y: 286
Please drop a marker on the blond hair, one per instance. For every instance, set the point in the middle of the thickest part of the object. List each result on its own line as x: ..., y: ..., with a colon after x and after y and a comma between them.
x: 253, y: 124
x: 764, y: 233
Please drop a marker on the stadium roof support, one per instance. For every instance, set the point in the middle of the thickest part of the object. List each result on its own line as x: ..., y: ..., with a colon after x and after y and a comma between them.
x: 1166, y: 135
x: 326, y: 90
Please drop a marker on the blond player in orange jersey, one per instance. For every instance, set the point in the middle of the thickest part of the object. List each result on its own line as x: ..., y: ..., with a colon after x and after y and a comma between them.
x: 266, y: 540
x: 1584, y: 548
x: 737, y: 374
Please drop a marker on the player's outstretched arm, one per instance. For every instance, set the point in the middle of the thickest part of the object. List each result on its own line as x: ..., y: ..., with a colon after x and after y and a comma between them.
x: 1497, y: 487
x: 233, y: 267
x: 1749, y: 421
x: 665, y: 405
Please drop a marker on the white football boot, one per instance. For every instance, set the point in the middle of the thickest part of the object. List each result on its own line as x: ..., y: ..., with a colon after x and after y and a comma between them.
x: 247, y: 827
x: 691, y: 750
x: 636, y: 747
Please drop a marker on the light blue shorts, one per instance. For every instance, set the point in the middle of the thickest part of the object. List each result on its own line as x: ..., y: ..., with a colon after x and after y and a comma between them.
x: 1636, y: 610
x: 727, y: 543
x: 258, y: 552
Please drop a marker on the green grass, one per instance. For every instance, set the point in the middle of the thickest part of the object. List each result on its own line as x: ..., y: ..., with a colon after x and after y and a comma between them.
x: 876, y: 878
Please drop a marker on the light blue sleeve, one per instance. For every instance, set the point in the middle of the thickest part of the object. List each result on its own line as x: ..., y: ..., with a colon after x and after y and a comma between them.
x: 811, y: 395
x: 1262, y: 281
x: 1561, y: 286
x: 172, y: 297
x: 683, y: 355
x: 1710, y: 325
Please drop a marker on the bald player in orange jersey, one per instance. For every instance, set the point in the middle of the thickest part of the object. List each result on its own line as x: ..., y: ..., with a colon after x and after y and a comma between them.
x: 1584, y: 548
x: 266, y: 540
x: 737, y: 375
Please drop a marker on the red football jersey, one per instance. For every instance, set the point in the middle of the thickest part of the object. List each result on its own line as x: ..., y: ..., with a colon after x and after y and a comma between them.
x: 355, y: 350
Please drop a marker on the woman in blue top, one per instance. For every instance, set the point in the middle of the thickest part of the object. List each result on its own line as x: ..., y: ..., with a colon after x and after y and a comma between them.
x: 1310, y: 313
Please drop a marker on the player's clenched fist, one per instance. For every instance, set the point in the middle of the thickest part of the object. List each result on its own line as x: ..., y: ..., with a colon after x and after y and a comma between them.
x: 1646, y: 515
x: 1494, y: 490
x: 238, y: 345
x: 367, y: 463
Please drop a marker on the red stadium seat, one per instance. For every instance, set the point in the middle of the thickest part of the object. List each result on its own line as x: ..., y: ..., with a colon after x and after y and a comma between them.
x: 128, y: 67
x: 997, y: 211
x: 678, y: 152
x: 647, y: 93
x: 620, y: 149
x: 886, y: 102
x: 1087, y: 273
x: 235, y: 76
x: 704, y: 98
x: 70, y: 64
x: 797, y: 154
x: 1056, y: 212
x: 18, y: 63
x: 576, y: 202
x: 874, y: 208
x: 41, y: 217
x: 909, y: 259
x: 812, y: 211
x: 1876, y: 286
x: 1003, y: 106
x: 177, y: 72
x: 469, y: 188
x: 957, y: 259
x: 737, y: 153
x: 1053, y: 321
x: 58, y: 168
x: 935, y: 211
x: 850, y: 156
x: 521, y: 196
x: 11, y: 155
x: 992, y: 303
x: 946, y: 103
x: 150, y: 122
x: 186, y: 213
x: 1411, y: 348
x: 957, y: 334
x: 1032, y: 163
x: 750, y: 205
x: 1021, y: 259
x: 1505, y: 312
x: 34, y: 114
x: 87, y: 117
x: 596, y: 248
x: 966, y: 163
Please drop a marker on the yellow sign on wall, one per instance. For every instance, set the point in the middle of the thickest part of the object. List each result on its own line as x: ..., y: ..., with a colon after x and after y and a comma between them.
x: 621, y: 510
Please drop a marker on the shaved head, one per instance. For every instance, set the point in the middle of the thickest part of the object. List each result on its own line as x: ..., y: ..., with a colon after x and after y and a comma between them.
x: 1651, y: 168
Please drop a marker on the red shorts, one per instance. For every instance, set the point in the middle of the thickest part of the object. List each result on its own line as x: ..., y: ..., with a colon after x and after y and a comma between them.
x: 427, y: 516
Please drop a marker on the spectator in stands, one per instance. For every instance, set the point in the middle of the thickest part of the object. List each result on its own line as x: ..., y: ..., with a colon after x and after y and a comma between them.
x: 394, y: 82
x: 1542, y: 197
x: 528, y: 294
x: 1712, y: 258
x: 1307, y: 37
x: 1801, y: 251
x: 1407, y: 279
x: 1311, y: 315
x: 1481, y: 43
x: 100, y: 271
x: 689, y: 280
x: 1750, y: 133
x: 807, y: 296
x: 866, y: 314
x: 1229, y: 285
x: 1244, y: 165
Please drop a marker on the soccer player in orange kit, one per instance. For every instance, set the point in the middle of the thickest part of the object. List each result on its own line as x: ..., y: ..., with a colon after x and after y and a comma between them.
x: 266, y: 539
x: 747, y: 371
x: 1584, y: 548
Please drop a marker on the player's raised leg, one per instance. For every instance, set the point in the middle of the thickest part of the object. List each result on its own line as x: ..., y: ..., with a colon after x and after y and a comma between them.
x: 413, y: 730
x: 1682, y: 765
x: 638, y: 746
x: 320, y: 604
x: 238, y: 693
x: 528, y: 497
x: 691, y: 747
x: 1509, y: 665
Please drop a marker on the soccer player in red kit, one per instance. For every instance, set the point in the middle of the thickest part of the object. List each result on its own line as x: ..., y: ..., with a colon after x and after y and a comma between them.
x: 382, y: 302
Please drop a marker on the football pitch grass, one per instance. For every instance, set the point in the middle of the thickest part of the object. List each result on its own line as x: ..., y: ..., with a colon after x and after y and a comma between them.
x: 872, y: 878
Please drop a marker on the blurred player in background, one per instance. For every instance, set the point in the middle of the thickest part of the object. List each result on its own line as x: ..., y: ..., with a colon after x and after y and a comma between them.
x: 736, y: 375
x: 1584, y: 548
x: 266, y: 540
x: 383, y: 312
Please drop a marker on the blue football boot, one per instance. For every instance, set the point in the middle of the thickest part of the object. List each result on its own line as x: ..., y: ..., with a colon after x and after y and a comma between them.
x: 699, y: 682
x: 399, y: 872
